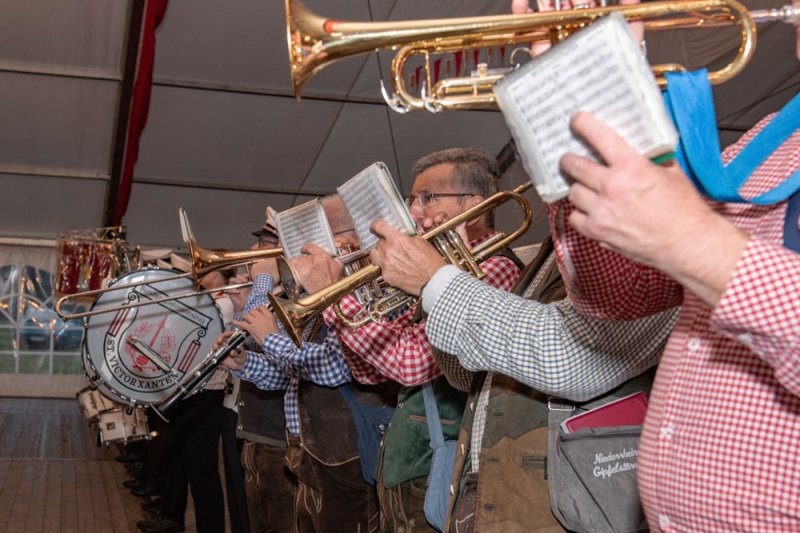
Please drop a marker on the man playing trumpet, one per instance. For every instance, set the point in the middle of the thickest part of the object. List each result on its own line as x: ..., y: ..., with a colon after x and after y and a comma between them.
x: 718, y: 451
x: 331, y: 493
x: 446, y: 184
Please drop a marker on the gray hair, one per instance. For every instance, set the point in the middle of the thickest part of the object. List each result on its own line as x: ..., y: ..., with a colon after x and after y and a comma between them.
x: 474, y: 171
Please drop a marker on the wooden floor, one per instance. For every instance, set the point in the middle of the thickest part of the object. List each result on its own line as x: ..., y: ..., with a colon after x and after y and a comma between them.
x: 54, y: 477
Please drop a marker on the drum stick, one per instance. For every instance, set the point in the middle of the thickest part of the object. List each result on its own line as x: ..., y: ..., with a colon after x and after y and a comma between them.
x: 153, y: 356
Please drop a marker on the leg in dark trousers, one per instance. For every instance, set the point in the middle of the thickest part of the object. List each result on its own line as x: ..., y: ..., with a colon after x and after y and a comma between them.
x: 197, y: 422
x: 234, y: 473
x: 331, y: 498
x: 270, y: 488
x: 158, y: 451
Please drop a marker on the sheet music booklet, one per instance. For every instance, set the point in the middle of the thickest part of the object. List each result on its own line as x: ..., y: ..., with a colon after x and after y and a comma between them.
x: 598, y: 69
x: 372, y: 195
x: 304, y: 223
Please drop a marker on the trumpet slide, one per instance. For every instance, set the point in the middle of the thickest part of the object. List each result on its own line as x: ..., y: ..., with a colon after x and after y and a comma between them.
x: 203, y: 261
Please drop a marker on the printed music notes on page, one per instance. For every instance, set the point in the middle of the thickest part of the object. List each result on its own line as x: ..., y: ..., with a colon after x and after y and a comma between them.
x: 302, y: 224
x: 598, y: 69
x: 372, y: 195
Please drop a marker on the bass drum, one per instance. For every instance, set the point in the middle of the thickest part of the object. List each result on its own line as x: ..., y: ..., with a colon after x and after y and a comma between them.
x: 182, y: 331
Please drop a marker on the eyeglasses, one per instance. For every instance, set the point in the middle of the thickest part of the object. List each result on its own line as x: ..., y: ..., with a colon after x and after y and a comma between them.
x: 426, y: 199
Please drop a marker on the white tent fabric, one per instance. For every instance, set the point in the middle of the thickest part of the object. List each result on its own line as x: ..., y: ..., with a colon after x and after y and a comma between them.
x: 225, y: 136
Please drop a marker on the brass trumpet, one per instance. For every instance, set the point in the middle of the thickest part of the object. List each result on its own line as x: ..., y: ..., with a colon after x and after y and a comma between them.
x: 314, y: 42
x: 295, y: 315
x: 203, y: 261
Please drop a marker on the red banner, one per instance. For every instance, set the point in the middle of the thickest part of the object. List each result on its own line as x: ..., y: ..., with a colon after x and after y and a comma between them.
x: 140, y: 102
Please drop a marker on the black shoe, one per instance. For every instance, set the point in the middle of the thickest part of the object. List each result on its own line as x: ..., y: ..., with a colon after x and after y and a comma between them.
x: 153, y: 506
x: 144, y: 491
x: 133, y: 484
x: 160, y: 525
x: 129, y: 458
x: 135, y: 469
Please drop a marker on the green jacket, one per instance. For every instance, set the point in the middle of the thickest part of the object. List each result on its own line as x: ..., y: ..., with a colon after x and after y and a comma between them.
x: 406, y: 446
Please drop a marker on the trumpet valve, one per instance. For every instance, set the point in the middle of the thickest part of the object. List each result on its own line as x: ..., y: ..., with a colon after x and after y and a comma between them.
x: 450, y: 245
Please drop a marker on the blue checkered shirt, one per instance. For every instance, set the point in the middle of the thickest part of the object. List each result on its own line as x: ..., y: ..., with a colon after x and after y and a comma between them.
x: 279, y: 364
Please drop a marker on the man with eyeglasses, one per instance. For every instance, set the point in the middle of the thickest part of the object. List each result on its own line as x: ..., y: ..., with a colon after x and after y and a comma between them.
x: 446, y: 184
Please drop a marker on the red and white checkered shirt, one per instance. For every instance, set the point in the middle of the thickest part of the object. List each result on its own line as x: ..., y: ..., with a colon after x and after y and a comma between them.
x: 720, y: 449
x: 399, y: 349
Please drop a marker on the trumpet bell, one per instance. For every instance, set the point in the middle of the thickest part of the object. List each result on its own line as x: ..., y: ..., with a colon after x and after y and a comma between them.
x: 291, y: 316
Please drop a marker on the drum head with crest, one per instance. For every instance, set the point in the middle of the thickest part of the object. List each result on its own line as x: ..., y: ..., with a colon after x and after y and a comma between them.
x: 181, y: 331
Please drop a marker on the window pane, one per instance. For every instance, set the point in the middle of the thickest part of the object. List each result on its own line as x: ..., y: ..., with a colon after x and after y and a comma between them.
x: 30, y: 330
x: 7, y: 364
x: 6, y: 338
x: 6, y: 318
x: 36, y: 330
x: 37, y: 284
x: 9, y: 281
x: 67, y: 364
x: 34, y: 364
x: 68, y: 340
x: 34, y: 339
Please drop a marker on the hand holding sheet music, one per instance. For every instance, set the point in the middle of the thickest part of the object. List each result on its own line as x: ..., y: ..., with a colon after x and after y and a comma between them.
x: 598, y: 70
x: 646, y: 212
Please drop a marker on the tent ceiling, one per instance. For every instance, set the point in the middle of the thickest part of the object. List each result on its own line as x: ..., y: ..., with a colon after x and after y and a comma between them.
x: 225, y: 137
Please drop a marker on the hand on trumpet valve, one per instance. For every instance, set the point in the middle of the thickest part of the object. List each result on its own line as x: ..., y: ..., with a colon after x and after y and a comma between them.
x: 237, y: 358
x: 259, y: 323
x: 406, y: 262
x: 316, y: 269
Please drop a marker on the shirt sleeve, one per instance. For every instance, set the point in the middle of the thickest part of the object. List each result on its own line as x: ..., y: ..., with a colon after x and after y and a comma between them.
x: 549, y: 347
x: 399, y: 349
x: 259, y: 295
x: 761, y: 308
x: 603, y: 284
x: 322, y: 363
x: 262, y: 373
